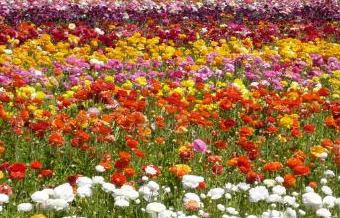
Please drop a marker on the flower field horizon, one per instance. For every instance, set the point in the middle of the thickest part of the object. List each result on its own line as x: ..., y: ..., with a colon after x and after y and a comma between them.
x: 169, y: 109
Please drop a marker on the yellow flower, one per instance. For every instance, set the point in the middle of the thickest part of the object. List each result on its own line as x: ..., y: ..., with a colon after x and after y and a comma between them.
x: 141, y: 81
x: 38, y: 216
x: 1, y: 174
x: 316, y: 151
x: 286, y: 121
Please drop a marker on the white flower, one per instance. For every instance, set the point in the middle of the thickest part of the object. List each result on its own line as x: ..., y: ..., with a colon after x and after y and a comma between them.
x: 323, y: 181
x: 108, y: 187
x: 290, y: 213
x: 99, y: 31
x: 289, y: 200
x: 312, y: 200
x: 243, y: 186
x: 94, y: 61
x: 216, y: 193
x: 71, y: 26
x: 84, y: 181
x: 25, y: 207
x: 150, y: 170
x: 166, y: 214
x: 326, y: 190
x: 269, y: 182
x: 121, y: 203
x: 39, y: 196
x: 64, y: 191
x: 221, y: 207
x: 55, y: 204
x: 7, y: 51
x: 167, y: 190
x: 302, y: 212
x: 329, y: 201
x: 192, y: 181
x: 100, y: 168
x: 258, y: 193
x: 191, y: 197
x: 309, y: 189
x: 329, y: 173
x: 251, y: 216
x: 273, y: 198
x: 323, y: 212
x: 98, y: 180
x: 228, y: 196
x: 155, y: 207
x: 232, y: 211
x: 84, y: 191
x: 279, y: 179
x: 4, y: 198
x: 272, y: 214
x: 153, y: 186
x: 126, y: 191
x: 280, y: 190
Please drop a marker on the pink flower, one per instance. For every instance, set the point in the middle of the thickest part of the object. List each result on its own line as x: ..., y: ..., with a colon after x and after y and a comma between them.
x: 199, y: 146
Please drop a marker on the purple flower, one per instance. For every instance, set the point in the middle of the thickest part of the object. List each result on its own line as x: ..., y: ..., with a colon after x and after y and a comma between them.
x: 199, y: 146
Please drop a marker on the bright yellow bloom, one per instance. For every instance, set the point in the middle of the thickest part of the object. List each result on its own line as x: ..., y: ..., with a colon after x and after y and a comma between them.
x: 316, y: 151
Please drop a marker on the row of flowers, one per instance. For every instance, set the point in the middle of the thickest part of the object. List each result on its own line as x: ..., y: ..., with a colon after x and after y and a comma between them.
x: 92, y: 11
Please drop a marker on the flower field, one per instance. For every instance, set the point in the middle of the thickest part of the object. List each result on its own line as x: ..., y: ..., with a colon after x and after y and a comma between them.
x: 169, y: 109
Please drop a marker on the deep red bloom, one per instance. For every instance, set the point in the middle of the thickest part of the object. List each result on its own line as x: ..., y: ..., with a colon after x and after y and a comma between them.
x: 17, y: 167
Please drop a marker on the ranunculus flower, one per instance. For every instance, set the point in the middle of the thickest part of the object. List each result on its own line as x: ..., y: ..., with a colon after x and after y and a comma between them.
x: 199, y: 146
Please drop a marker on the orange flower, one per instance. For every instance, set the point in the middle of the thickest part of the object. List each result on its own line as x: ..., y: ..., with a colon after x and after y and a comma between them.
x: 129, y: 171
x: 56, y: 139
x: 293, y: 162
x: 313, y: 184
x: 289, y: 181
x: 327, y: 143
x: 123, y: 155
x: 106, y: 165
x: 246, y: 131
x: 160, y: 140
x: 221, y: 144
x: 300, y: 154
x: 273, y: 166
x: 232, y: 162
x: 180, y: 170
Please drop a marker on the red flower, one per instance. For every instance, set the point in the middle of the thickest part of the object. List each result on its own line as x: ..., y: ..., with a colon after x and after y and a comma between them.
x: 5, y: 166
x: 132, y: 143
x: 17, y: 167
x: 36, y: 165
x: 118, y: 179
x: 301, y: 170
x: 17, y: 175
x: 309, y: 128
x: 217, y: 169
x: 5, y: 189
x: 45, y: 173
x: 253, y: 176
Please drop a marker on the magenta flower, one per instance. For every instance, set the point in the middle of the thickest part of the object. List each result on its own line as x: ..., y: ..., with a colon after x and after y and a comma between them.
x: 199, y: 146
